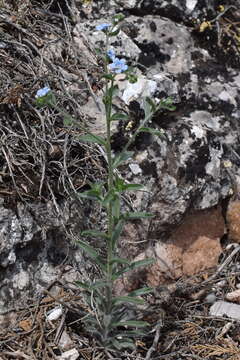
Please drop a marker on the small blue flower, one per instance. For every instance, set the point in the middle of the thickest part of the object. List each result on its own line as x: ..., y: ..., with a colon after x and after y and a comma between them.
x: 42, y: 92
x: 111, y: 54
x: 103, y: 27
x: 118, y: 66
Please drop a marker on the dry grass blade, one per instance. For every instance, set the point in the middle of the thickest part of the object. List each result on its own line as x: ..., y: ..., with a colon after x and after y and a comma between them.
x: 227, y: 347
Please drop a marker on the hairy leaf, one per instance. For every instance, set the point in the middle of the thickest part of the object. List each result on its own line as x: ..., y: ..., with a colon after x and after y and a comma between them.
x: 93, y: 139
x: 83, y: 285
x: 108, y: 197
x: 121, y: 158
x: 92, y: 253
x: 142, y: 291
x: 114, y: 33
x: 127, y: 344
x: 119, y: 261
x: 127, y: 299
x: 117, y: 232
x: 119, y: 116
x: 137, y: 215
x: 131, y: 323
x: 151, y: 131
x: 91, y: 195
x: 133, y: 266
x: 116, y: 207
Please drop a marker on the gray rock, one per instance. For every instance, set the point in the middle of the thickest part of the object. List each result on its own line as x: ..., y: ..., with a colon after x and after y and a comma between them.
x: 225, y: 309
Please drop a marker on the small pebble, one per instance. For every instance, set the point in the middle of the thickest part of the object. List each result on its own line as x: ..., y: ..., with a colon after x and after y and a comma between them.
x: 233, y: 296
x: 210, y: 298
x: 55, y: 313
x: 135, y: 168
x: 221, y: 283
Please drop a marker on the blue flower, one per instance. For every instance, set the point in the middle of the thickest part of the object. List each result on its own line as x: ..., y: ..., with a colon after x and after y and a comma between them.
x: 42, y: 92
x: 118, y: 65
x: 103, y: 27
x: 111, y: 54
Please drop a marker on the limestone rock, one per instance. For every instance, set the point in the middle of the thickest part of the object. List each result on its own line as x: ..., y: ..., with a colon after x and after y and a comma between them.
x: 225, y: 309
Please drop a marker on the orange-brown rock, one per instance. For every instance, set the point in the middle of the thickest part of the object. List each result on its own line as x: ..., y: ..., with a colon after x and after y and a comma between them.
x: 233, y: 220
x: 193, y: 247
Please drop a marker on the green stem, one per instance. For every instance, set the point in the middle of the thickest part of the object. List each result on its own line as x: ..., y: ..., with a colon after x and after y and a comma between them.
x: 108, y: 110
x: 110, y: 174
x: 145, y: 120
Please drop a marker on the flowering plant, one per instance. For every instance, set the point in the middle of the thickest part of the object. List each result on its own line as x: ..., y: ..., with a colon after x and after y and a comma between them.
x: 110, y: 322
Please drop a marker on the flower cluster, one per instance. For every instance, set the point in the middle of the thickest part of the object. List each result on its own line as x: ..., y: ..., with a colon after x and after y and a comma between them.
x: 118, y: 65
x: 103, y: 27
x: 111, y: 54
x: 42, y: 92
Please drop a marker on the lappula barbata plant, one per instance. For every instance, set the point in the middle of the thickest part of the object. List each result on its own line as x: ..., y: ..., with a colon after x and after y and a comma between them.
x: 110, y: 322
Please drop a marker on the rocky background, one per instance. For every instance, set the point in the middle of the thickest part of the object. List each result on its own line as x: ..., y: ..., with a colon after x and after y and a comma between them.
x: 186, y: 49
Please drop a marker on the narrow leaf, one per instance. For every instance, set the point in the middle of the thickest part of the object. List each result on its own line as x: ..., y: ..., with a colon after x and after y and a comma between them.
x: 93, y: 139
x: 83, y: 285
x: 95, y: 193
x: 152, y: 103
x: 98, y: 284
x: 91, y: 195
x: 119, y: 116
x: 132, y: 187
x: 132, y: 323
x: 108, y: 198
x: 119, y: 345
x: 116, y: 207
x: 88, y: 248
x: 120, y: 158
x: 67, y: 120
x: 117, y: 232
x: 133, y: 266
x: 144, y: 262
x: 148, y: 110
x: 119, y: 261
x: 108, y: 76
x: 131, y: 333
x: 114, y: 33
x: 117, y: 18
x: 151, y: 131
x: 142, y: 291
x: 128, y: 299
x: 114, y: 90
x: 167, y: 104
x: 92, y: 253
x: 137, y: 215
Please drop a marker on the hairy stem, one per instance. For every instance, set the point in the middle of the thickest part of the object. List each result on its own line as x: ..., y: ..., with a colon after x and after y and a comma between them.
x: 108, y: 110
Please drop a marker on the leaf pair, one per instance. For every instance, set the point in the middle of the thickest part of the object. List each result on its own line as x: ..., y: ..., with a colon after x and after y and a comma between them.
x: 120, y: 185
x: 95, y: 193
x: 133, y: 265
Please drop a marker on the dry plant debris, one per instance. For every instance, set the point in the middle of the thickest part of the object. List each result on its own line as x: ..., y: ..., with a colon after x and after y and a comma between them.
x: 181, y: 327
x: 40, y: 157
